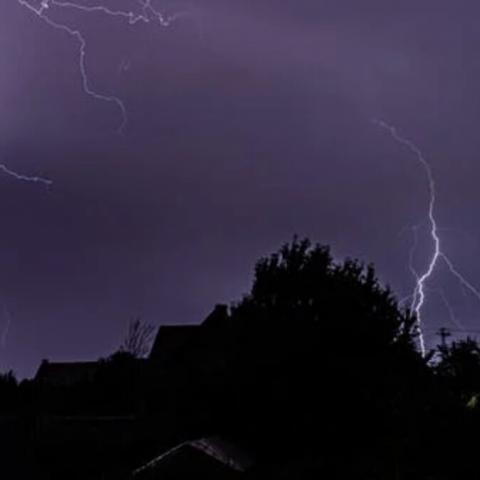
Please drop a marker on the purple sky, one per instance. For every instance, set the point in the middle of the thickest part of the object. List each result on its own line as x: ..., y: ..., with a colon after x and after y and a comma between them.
x: 249, y: 121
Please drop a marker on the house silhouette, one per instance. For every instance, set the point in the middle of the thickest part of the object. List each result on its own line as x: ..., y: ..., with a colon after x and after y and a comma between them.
x: 65, y: 374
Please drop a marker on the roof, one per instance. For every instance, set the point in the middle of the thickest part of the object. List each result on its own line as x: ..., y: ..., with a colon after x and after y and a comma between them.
x: 172, y: 339
x: 65, y: 373
x: 178, y: 339
x: 224, y: 452
x: 210, y: 456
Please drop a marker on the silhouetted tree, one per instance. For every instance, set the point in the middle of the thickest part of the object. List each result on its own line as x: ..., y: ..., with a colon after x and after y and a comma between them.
x: 139, y: 338
x: 459, y: 366
x: 315, y: 343
x: 8, y: 392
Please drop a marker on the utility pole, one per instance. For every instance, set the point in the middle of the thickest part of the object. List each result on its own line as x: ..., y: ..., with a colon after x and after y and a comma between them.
x: 443, y: 333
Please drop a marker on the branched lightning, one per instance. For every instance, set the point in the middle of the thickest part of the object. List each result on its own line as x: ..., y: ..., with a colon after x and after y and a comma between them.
x: 418, y: 297
x: 451, y: 313
x: 453, y: 318
x: 147, y: 13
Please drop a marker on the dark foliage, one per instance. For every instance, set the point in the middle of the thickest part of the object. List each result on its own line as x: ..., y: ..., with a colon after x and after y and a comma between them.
x: 459, y: 368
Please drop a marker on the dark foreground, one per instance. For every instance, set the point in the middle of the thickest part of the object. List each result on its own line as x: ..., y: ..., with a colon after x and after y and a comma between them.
x: 314, y: 374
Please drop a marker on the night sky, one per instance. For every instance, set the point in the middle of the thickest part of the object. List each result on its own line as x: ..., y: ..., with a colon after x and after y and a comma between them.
x: 249, y: 121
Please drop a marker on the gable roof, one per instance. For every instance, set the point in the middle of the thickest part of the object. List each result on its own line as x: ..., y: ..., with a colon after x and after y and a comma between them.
x: 178, y: 339
x: 211, y: 455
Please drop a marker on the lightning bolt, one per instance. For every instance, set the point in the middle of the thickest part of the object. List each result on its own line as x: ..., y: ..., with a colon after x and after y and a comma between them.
x: 419, y: 296
x: 147, y: 13
x: 25, y: 178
